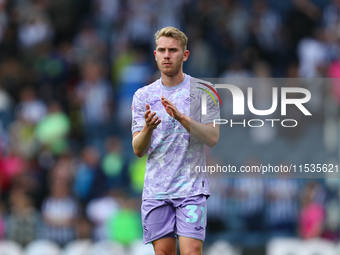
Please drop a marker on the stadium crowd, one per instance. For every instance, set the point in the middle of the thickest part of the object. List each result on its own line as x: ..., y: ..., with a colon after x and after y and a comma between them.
x: 68, y: 71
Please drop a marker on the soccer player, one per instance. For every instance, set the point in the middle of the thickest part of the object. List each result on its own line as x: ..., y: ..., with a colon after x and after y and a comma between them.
x: 168, y: 125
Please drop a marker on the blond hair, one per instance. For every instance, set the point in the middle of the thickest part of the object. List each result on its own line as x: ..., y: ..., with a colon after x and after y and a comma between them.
x: 173, y: 33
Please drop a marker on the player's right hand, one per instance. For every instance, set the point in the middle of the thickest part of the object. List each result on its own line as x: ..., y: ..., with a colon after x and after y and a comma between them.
x: 151, y: 121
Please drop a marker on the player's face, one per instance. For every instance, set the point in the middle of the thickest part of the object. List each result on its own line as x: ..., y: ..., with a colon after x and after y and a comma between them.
x: 170, y: 56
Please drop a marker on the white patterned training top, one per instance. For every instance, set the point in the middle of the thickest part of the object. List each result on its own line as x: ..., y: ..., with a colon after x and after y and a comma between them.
x: 173, y: 153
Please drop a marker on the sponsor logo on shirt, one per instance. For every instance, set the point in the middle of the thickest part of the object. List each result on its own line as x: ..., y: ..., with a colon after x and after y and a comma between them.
x: 152, y: 103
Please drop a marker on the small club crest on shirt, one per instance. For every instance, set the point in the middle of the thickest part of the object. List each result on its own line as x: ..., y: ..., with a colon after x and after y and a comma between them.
x: 189, y: 99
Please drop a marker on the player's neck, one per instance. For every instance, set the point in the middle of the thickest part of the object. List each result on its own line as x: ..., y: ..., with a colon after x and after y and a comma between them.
x: 170, y: 81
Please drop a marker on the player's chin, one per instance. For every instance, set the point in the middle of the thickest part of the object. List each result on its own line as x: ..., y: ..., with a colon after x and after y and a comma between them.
x: 167, y: 71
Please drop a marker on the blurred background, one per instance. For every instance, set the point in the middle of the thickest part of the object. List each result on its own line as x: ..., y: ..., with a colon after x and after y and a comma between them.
x: 69, y: 181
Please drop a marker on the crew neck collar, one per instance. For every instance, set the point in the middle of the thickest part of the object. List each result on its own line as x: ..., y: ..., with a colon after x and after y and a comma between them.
x: 173, y: 87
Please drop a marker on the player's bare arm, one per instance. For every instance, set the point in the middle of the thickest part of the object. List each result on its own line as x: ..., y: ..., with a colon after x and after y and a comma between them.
x: 141, y: 140
x: 206, y: 134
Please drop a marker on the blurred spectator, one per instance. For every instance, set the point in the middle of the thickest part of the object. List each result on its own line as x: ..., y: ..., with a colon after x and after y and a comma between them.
x: 291, y: 110
x: 331, y: 24
x: 4, y: 139
x: 35, y: 30
x: 282, y: 205
x: 131, y: 77
x: 201, y: 61
x: 125, y: 226
x: 331, y: 17
x: 312, y: 213
x: 24, y: 220
x: 12, y: 165
x: 95, y: 96
x: 99, y: 210
x: 263, y: 99
x: 236, y: 70
x: 106, y: 14
x: 51, y: 65
x: 140, y: 26
x: 64, y: 17
x: 52, y: 130
x: 88, y: 44
x: 219, y: 216
x: 332, y: 220
x: 236, y: 73
x: 59, y: 212
x: 219, y: 204
x: 302, y: 20
x: 2, y: 221
x: 14, y: 74
x: 266, y: 31
x: 136, y: 174
x: 169, y: 13
x: 249, y: 193
x: 30, y: 108
x: 334, y: 72
x: 27, y: 181
x: 89, y: 180
x: 114, y: 163
x: 313, y: 55
x: 237, y: 23
x: 3, y: 18
x: 62, y: 169
x: 22, y: 137
x: 6, y: 107
x: 124, y: 55
x: 83, y: 229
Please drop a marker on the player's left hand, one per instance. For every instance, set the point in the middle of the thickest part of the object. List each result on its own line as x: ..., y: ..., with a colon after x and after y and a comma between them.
x: 170, y: 108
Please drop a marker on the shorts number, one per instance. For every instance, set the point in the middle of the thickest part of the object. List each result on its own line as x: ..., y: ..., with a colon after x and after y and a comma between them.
x: 192, y: 209
x: 203, y: 212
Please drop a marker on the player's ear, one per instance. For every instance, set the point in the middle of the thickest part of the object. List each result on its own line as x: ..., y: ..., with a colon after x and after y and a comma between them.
x: 154, y: 53
x: 186, y: 55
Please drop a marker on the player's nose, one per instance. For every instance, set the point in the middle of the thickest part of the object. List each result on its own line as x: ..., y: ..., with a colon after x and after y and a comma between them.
x: 167, y: 54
